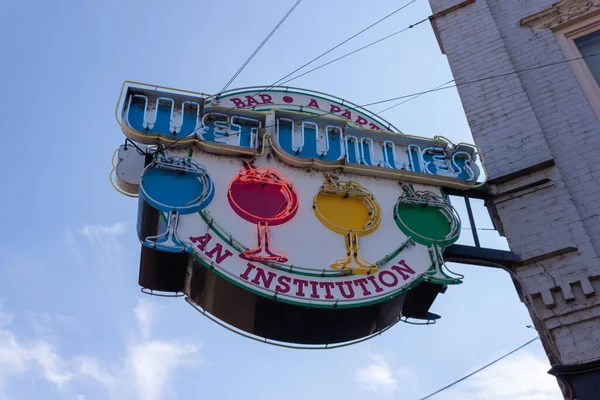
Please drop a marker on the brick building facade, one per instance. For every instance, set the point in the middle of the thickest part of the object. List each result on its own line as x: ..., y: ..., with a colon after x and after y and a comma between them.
x: 536, y: 118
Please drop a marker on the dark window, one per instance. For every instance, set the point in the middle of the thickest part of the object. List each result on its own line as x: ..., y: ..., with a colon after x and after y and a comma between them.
x: 589, y: 47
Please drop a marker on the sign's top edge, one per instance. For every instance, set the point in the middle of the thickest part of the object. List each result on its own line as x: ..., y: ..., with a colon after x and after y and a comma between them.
x: 287, y: 100
x: 210, y: 98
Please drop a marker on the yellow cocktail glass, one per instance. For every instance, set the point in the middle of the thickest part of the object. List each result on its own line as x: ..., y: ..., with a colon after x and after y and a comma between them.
x: 349, y: 209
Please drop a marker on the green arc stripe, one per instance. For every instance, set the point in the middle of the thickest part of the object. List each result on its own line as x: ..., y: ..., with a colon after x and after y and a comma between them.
x: 220, y: 232
x: 335, y: 304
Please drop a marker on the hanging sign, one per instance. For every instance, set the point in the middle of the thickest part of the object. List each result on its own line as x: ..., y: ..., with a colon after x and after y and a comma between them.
x: 296, y: 197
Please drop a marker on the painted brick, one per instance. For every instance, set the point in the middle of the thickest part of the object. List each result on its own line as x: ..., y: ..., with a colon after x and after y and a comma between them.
x: 523, y: 119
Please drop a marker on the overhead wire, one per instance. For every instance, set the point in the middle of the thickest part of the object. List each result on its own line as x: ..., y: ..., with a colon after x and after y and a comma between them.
x: 438, y: 88
x: 357, y: 50
x: 344, y: 42
x: 260, y: 46
x: 412, y: 98
x: 411, y: 95
x: 479, y: 370
x: 332, y: 49
x: 527, y: 298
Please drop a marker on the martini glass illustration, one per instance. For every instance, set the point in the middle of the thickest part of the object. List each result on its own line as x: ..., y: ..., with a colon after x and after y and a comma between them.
x: 175, y: 186
x: 431, y: 221
x: 349, y: 209
x: 265, y: 197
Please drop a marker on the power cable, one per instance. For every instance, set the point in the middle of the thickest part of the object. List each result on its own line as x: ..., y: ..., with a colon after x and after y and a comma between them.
x: 260, y: 46
x: 526, y: 298
x: 330, y: 50
x: 443, y: 87
x: 436, y: 89
x: 343, y: 42
x: 357, y: 50
x: 479, y: 370
x: 412, y: 98
x: 412, y: 95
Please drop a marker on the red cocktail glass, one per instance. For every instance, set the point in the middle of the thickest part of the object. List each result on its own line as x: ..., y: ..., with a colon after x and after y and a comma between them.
x: 265, y: 197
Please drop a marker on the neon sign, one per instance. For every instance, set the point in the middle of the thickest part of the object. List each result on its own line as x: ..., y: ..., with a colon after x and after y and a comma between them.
x: 386, y: 248
x: 265, y: 197
x: 304, y: 128
x: 292, y: 204
x: 177, y: 186
x: 348, y: 209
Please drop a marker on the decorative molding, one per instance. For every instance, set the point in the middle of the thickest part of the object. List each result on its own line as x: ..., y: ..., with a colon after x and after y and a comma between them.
x: 565, y: 287
x: 584, y: 279
x: 560, y: 13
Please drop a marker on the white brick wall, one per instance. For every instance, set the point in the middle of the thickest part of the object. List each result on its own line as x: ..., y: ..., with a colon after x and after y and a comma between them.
x: 476, y: 50
x: 563, y: 112
x: 521, y: 120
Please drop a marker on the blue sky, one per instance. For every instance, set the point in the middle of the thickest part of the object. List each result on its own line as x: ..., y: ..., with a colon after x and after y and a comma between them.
x: 73, y: 323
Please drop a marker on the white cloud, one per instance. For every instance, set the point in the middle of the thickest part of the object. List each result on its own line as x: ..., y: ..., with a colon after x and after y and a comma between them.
x: 144, y: 372
x: 52, y: 364
x: 71, y: 243
x: 103, y: 242
x: 101, y: 237
x: 5, y: 318
x: 90, y: 367
x: 377, y: 377
x: 104, y: 238
x: 521, y: 376
x: 98, y: 233
x: 153, y: 363
x: 36, y: 356
x: 44, y: 324
x: 149, y: 363
x: 20, y: 356
x: 17, y: 266
x: 144, y: 313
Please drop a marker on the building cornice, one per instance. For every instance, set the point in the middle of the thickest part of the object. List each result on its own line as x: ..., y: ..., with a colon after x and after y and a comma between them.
x: 560, y: 13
